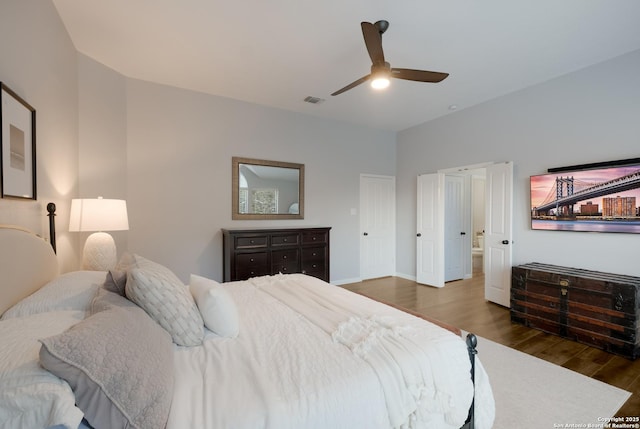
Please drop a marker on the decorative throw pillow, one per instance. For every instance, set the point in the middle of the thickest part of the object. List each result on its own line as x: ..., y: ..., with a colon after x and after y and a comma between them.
x: 216, y: 306
x: 116, y: 280
x: 105, y: 300
x: 119, y: 364
x: 167, y: 300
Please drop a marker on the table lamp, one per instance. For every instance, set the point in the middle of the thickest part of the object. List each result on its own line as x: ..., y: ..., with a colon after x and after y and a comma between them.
x: 98, y: 215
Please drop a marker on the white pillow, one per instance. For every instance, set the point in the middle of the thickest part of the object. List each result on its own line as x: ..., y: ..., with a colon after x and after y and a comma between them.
x: 30, y: 396
x: 166, y: 299
x: 69, y: 291
x: 216, y: 306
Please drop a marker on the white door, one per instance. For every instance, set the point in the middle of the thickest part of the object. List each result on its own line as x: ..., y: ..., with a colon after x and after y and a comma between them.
x: 430, y: 230
x: 454, y: 228
x: 497, y: 239
x: 377, y: 226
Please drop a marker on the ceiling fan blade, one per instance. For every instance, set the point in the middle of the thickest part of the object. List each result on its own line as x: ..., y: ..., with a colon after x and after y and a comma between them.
x: 352, y: 85
x: 418, y: 75
x: 373, y: 40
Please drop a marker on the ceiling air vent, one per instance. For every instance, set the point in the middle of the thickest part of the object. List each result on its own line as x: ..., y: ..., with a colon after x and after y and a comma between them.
x: 314, y: 100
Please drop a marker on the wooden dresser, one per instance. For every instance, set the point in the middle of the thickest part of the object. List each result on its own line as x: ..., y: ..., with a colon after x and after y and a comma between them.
x: 263, y: 251
x: 590, y: 307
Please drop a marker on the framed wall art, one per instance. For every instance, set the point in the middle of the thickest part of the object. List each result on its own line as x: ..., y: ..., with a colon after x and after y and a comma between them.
x: 18, y: 142
x: 600, y: 197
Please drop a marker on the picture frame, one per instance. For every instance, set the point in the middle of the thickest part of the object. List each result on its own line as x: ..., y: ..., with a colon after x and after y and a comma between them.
x: 18, y: 146
x: 600, y: 197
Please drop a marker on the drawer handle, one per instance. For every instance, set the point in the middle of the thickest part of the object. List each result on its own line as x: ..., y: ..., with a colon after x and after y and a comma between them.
x: 314, y: 254
x: 314, y: 266
x: 252, y: 260
x: 251, y: 241
x: 315, y: 238
x: 284, y: 239
x: 284, y: 256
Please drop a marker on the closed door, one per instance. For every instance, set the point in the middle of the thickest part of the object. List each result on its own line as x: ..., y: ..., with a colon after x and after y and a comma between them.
x: 454, y: 228
x: 377, y: 226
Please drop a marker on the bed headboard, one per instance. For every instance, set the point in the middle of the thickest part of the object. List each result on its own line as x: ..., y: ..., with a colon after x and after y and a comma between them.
x: 27, y: 262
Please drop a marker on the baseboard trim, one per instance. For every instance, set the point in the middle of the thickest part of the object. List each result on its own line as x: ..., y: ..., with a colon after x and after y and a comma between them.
x: 406, y: 276
x: 346, y: 281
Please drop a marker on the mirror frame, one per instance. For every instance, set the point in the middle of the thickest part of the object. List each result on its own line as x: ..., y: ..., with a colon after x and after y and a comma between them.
x: 235, y: 189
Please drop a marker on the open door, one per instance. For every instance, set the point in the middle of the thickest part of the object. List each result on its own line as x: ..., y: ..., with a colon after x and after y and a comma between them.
x: 498, y: 233
x: 430, y: 230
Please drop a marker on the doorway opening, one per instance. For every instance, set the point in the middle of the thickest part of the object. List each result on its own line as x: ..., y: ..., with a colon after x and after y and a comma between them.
x: 464, y: 223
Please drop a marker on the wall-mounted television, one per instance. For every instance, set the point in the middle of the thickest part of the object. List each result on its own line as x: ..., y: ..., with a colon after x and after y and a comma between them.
x: 602, y: 197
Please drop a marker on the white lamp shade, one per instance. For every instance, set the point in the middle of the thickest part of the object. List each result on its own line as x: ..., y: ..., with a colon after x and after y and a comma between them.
x: 98, y: 214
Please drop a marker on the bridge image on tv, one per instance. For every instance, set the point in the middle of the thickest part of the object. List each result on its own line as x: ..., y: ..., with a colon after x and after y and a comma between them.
x: 601, y: 200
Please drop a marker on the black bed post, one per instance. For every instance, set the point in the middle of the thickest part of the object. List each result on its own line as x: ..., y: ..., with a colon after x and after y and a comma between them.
x: 472, y: 342
x: 51, y: 208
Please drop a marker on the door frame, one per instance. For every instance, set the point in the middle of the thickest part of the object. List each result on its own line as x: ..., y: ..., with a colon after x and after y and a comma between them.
x: 489, y: 268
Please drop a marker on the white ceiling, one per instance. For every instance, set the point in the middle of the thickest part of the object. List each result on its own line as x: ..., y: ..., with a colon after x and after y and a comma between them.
x: 277, y: 52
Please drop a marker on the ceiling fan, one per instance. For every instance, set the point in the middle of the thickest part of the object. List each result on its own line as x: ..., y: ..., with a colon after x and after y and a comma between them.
x: 381, y: 71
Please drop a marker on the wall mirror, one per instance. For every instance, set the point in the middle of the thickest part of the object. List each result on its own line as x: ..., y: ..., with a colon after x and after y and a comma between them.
x: 264, y: 189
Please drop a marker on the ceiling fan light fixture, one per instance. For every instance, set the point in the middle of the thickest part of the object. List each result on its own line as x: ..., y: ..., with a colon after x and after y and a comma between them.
x: 380, y: 82
x: 380, y: 76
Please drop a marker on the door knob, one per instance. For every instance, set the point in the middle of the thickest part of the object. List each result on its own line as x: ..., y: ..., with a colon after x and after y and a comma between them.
x: 366, y: 233
x: 418, y: 235
x: 505, y: 241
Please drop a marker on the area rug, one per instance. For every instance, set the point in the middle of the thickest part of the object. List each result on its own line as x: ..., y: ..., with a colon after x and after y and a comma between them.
x: 533, y: 393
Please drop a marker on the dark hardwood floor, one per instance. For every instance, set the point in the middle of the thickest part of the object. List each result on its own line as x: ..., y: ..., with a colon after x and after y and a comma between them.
x: 462, y: 304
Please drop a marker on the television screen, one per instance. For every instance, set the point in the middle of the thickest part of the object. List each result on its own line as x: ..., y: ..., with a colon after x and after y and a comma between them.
x: 601, y: 200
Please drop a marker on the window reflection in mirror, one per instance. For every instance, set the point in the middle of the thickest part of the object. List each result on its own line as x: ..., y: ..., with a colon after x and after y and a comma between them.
x: 267, y: 189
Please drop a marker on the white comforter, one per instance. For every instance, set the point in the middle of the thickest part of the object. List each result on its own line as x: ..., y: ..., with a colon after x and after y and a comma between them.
x: 316, y: 356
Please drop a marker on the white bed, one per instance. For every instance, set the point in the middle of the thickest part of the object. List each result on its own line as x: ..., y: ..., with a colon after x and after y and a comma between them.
x: 288, y: 351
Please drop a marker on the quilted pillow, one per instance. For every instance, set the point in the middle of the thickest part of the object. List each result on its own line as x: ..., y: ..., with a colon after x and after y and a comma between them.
x: 167, y: 300
x: 69, y: 291
x: 216, y: 306
x: 30, y: 396
x: 119, y: 364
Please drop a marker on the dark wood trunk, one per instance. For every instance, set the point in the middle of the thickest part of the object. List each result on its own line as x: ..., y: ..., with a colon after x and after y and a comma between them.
x: 590, y: 307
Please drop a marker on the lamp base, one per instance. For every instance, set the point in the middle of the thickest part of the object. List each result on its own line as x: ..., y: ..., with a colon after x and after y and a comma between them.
x: 99, y: 252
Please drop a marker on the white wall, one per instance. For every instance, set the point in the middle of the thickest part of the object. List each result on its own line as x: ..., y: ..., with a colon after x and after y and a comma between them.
x: 102, y: 136
x: 588, y: 116
x: 38, y: 62
x: 179, y: 149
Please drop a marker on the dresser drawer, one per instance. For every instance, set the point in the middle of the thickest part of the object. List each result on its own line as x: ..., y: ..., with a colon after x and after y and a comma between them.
x: 314, y: 254
x: 252, y: 259
x: 285, y: 240
x: 243, y: 272
x: 309, y: 267
x: 285, y: 268
x: 315, y: 237
x: 251, y: 242
x: 284, y: 256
